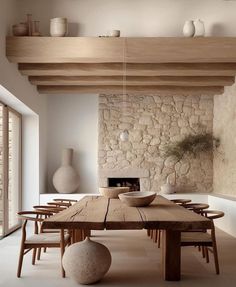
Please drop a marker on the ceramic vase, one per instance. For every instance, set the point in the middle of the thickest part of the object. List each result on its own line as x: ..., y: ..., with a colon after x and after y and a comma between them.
x: 86, y: 262
x: 189, y: 29
x: 199, y: 28
x: 29, y: 23
x: 58, y: 27
x: 66, y: 179
x: 169, y: 188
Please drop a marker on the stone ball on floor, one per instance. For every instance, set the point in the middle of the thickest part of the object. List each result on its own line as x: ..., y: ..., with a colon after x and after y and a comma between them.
x: 86, y: 262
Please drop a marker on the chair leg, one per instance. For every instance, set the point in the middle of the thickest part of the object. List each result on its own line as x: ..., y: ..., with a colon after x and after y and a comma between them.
x: 159, y: 239
x: 207, y: 255
x: 45, y: 249
x: 215, y: 253
x: 39, y: 253
x: 62, y: 252
x: 151, y: 233
x: 20, y: 262
x: 203, y: 252
x: 148, y: 232
x: 154, y: 236
x: 34, y: 256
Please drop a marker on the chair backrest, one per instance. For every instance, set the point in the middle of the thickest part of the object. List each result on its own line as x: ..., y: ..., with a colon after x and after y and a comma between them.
x: 181, y: 201
x: 65, y: 200
x: 36, y: 216
x: 196, y: 206
x: 212, y: 214
x: 61, y: 204
x: 50, y: 208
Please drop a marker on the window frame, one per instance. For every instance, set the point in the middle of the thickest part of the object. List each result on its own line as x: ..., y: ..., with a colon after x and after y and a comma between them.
x: 5, y: 136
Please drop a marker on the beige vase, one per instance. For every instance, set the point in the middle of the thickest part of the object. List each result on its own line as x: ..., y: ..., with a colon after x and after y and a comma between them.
x: 58, y: 27
x: 169, y: 188
x: 86, y: 262
x: 66, y: 179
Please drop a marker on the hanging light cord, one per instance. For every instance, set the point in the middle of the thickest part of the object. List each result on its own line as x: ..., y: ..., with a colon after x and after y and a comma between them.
x: 124, y: 69
x: 125, y: 134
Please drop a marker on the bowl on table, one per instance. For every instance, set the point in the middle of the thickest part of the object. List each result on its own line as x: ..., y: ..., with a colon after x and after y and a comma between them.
x: 113, y: 192
x: 137, y: 198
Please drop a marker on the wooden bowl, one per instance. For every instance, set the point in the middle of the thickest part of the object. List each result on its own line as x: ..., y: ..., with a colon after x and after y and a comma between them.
x: 20, y: 29
x: 137, y: 198
x: 113, y: 192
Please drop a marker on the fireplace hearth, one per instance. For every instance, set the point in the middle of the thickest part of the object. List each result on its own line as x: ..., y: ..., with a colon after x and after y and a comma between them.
x: 132, y: 183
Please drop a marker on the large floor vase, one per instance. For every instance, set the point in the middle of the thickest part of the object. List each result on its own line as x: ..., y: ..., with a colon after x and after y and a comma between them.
x: 86, y: 262
x: 66, y: 179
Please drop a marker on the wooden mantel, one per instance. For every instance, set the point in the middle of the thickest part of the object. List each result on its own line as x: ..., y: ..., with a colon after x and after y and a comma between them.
x: 201, y: 65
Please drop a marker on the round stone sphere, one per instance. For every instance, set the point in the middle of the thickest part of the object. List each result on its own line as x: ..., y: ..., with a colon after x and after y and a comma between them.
x: 86, y: 262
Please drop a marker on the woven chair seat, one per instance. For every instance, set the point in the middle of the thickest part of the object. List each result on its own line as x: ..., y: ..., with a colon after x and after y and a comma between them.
x: 195, y: 237
x: 44, y: 238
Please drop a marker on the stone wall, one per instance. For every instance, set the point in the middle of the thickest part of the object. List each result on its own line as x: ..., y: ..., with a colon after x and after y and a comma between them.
x: 153, y: 122
x: 224, y: 124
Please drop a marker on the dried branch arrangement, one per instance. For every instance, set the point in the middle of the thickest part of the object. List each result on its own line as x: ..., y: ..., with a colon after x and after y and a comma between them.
x: 192, y: 145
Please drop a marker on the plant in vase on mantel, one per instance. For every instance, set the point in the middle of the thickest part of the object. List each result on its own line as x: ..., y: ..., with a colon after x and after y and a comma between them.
x: 190, y: 145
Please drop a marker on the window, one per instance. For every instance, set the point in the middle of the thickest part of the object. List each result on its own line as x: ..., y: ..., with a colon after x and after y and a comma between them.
x: 10, y: 169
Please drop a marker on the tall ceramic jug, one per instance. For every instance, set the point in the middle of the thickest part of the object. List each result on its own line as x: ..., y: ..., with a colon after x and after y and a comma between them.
x: 189, y: 29
x: 199, y: 28
x: 66, y: 179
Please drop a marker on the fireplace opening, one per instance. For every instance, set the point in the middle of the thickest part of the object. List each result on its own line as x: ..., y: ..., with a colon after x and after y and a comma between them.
x: 132, y: 183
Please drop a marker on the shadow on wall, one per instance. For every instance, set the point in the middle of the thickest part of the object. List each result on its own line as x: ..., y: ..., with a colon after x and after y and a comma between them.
x: 73, y: 29
x: 218, y: 29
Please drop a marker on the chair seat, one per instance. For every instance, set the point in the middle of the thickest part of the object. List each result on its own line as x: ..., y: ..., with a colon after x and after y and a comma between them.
x: 47, y: 230
x: 195, y: 237
x: 44, y: 238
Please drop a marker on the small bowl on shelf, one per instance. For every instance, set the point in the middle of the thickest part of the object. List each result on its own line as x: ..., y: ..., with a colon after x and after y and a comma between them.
x: 137, y: 198
x: 20, y: 29
x: 113, y: 192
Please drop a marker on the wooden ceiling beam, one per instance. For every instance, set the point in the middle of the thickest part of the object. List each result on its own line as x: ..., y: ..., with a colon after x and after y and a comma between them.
x: 117, y: 50
x: 157, y: 90
x: 131, y: 81
x: 132, y: 69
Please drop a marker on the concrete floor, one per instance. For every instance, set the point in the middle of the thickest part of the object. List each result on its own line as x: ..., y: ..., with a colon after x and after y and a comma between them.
x: 136, y: 261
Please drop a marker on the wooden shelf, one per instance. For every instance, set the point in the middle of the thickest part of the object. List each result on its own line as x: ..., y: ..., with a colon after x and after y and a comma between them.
x: 161, y: 65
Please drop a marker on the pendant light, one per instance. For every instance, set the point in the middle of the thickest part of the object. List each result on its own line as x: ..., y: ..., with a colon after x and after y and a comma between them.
x: 124, y: 135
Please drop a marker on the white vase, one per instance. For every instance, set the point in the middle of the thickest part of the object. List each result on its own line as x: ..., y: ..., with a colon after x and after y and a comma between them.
x: 169, y: 188
x: 86, y: 262
x: 199, y: 28
x: 66, y: 179
x: 58, y: 27
x: 189, y: 29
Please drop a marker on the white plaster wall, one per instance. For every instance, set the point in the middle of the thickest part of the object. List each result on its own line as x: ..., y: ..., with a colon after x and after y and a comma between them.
x: 30, y: 160
x: 73, y: 122
x: 18, y: 93
x: 228, y: 206
x: 224, y: 124
x: 133, y: 17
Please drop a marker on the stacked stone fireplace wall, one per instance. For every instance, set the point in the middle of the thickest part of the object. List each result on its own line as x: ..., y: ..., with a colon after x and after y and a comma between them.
x: 152, y: 123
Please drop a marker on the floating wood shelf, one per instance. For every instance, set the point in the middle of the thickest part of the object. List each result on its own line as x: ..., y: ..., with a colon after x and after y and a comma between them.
x: 145, y: 65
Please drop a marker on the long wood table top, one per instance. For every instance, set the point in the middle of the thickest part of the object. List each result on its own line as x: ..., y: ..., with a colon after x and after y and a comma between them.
x: 98, y: 212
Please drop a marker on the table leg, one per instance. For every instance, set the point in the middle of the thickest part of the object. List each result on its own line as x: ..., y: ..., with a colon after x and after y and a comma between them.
x: 171, y: 255
x: 86, y: 233
x: 80, y: 234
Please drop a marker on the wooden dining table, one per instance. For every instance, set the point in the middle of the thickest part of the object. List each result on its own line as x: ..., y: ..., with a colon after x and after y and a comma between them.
x: 99, y: 213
